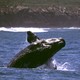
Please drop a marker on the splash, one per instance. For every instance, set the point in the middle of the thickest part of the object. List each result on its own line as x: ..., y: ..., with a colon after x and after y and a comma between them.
x: 23, y: 29
x: 63, y: 67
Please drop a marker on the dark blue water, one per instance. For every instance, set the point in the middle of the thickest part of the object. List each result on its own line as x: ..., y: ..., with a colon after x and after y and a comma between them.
x: 67, y: 59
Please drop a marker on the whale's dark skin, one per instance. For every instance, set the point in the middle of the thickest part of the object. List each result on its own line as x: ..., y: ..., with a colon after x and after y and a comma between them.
x: 37, y: 53
x: 32, y: 37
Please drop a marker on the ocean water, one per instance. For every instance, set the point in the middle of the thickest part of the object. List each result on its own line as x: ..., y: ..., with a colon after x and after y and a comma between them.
x: 13, y: 40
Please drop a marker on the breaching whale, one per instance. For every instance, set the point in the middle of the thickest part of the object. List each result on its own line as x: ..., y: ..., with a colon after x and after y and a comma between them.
x: 37, y: 53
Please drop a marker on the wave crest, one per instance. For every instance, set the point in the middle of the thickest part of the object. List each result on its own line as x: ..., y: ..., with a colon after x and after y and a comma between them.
x: 23, y: 29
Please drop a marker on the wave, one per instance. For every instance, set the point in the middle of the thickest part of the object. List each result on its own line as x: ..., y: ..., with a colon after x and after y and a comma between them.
x: 69, y: 28
x: 23, y: 29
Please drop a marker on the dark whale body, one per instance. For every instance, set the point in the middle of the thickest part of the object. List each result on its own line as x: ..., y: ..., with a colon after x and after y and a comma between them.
x: 31, y: 37
x: 37, y: 53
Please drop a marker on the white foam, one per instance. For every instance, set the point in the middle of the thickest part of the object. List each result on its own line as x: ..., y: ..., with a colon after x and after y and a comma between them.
x: 69, y: 28
x: 23, y: 29
x: 63, y: 67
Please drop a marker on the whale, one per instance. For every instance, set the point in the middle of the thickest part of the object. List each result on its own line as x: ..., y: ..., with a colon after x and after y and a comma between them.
x: 37, y: 53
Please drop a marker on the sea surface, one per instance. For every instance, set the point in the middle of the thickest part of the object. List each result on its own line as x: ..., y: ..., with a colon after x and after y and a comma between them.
x: 13, y: 40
